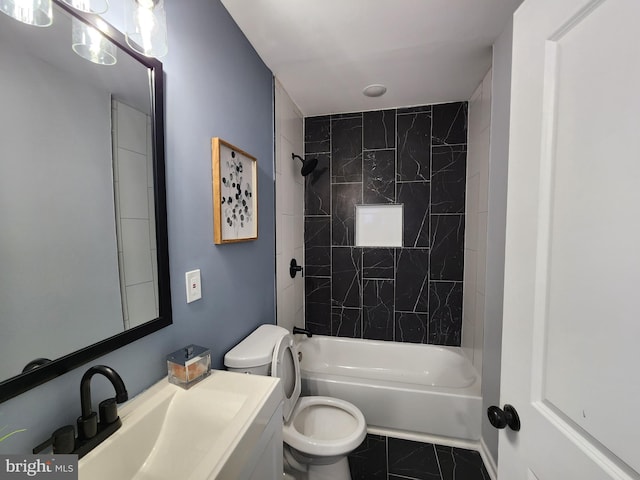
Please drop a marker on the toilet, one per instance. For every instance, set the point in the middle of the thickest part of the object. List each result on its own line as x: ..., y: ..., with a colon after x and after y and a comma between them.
x: 319, y: 432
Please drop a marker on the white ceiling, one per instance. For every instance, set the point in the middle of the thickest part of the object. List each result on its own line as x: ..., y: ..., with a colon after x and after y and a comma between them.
x: 324, y: 52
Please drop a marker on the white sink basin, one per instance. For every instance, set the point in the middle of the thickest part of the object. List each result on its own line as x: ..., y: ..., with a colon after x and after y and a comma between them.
x: 168, y: 432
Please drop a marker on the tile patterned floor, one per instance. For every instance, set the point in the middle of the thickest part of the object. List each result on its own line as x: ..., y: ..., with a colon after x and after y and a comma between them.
x: 387, y: 458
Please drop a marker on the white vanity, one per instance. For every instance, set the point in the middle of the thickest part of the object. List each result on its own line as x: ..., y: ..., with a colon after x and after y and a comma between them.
x: 228, y: 426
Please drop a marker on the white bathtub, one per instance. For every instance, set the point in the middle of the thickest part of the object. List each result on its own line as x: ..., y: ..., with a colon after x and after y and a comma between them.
x: 411, y: 388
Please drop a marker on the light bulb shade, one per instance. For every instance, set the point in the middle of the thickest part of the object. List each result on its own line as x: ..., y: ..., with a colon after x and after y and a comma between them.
x: 89, y: 43
x: 31, y: 12
x: 146, y: 27
x: 89, y: 6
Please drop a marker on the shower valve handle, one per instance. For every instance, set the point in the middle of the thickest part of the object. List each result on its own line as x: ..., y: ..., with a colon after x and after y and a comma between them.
x: 294, y: 268
x: 500, y: 418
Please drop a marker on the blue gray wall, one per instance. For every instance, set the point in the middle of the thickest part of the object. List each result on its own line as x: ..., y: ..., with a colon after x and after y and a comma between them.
x: 215, y: 85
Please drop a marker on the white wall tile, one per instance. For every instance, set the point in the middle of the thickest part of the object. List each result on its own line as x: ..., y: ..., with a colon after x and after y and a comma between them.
x: 479, y: 332
x: 137, y: 254
x: 287, y: 235
x: 152, y: 219
x: 469, y: 303
x: 141, y: 302
x: 475, y: 108
x: 476, y: 222
x: 149, y: 153
x: 132, y: 182
x: 471, y: 214
x: 289, y: 178
x: 154, y: 269
x: 285, y: 299
x: 482, y: 253
x: 485, y: 104
x: 298, y: 282
x: 483, y: 184
x: 132, y: 129
x: 289, y: 208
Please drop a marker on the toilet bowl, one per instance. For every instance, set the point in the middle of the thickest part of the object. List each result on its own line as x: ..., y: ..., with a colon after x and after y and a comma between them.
x: 318, y: 432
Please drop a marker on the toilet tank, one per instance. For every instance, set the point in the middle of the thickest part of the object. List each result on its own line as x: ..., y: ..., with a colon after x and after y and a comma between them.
x: 253, y: 354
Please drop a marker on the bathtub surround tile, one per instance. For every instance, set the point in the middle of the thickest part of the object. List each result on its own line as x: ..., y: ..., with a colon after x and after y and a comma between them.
x: 414, y: 156
x: 415, y: 198
x: 336, y: 116
x: 413, y: 459
x: 346, y: 149
x: 317, y: 244
x: 318, y: 305
x: 346, y: 263
x: 414, y: 147
x: 379, y: 129
x: 412, y: 280
x: 447, y: 247
x: 460, y: 464
x: 317, y: 134
x: 378, y: 176
x: 411, y: 327
x: 449, y: 123
x: 344, y: 197
x: 449, y: 166
x: 317, y: 188
x: 445, y: 313
x: 416, y: 109
x: 378, y: 263
x: 346, y: 322
x: 369, y: 460
x: 377, y: 309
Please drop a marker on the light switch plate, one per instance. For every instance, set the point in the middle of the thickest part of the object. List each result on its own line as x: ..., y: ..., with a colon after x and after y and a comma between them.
x: 194, y: 288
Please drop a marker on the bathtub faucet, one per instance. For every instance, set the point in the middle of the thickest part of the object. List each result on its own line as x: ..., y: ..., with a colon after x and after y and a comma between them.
x: 303, y: 331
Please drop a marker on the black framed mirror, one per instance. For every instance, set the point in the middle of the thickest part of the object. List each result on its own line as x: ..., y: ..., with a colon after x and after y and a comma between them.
x: 83, y: 248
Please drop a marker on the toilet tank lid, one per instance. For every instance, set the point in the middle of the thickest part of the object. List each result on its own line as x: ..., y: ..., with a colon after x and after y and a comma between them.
x: 256, y: 349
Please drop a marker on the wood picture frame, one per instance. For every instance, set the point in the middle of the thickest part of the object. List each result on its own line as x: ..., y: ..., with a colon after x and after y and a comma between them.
x: 235, y: 195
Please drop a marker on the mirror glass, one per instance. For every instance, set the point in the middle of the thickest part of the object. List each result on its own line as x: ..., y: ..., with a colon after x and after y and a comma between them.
x: 83, y: 246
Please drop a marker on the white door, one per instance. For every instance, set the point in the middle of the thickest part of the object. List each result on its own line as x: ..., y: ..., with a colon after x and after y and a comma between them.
x: 571, y: 337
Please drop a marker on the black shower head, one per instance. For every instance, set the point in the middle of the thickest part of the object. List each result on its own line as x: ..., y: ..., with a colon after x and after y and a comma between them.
x: 307, y: 165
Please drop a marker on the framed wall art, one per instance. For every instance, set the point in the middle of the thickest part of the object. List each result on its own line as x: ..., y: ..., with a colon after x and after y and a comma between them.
x: 235, y: 199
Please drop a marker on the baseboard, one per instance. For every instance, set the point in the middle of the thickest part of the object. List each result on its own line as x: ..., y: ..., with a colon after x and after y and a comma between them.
x: 488, y: 460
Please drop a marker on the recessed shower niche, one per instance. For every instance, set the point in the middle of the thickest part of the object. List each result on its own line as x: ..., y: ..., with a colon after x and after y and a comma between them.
x: 379, y: 225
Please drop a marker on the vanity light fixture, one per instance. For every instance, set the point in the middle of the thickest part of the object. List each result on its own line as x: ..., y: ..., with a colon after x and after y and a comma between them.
x: 89, y: 6
x: 146, y: 27
x: 89, y: 43
x: 31, y: 12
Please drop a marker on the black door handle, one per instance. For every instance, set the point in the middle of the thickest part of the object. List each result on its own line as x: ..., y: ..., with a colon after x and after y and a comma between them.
x: 500, y: 418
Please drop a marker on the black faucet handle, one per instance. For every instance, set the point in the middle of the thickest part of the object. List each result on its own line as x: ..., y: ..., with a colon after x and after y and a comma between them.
x: 88, y: 426
x: 108, y: 411
x: 63, y: 441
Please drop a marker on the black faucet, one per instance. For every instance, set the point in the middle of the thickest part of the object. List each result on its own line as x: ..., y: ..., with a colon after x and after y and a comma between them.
x: 90, y: 432
x: 88, y: 421
x: 303, y: 331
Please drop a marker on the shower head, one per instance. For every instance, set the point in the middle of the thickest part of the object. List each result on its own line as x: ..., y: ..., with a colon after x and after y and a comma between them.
x: 307, y: 165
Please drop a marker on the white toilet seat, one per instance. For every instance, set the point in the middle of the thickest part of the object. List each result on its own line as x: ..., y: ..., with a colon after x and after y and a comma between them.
x: 324, y: 426
x: 285, y: 366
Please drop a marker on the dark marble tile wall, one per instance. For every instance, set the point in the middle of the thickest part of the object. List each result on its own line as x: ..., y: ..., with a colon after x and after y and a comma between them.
x: 387, y: 458
x: 411, y: 156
